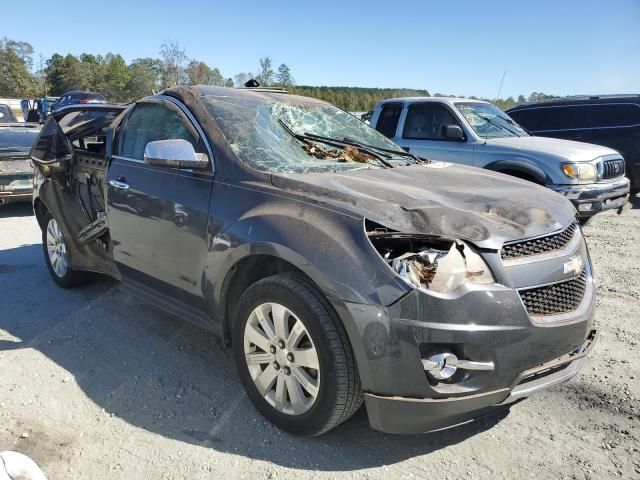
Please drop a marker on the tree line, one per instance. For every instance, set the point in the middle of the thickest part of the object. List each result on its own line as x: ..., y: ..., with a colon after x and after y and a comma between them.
x: 21, y: 77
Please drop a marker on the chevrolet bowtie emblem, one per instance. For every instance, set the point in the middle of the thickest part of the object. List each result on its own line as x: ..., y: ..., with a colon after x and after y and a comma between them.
x: 574, y: 265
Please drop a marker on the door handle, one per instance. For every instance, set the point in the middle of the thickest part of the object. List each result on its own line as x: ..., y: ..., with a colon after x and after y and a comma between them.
x: 119, y: 185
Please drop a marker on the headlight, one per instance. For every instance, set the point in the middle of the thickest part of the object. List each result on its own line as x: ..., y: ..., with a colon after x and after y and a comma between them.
x: 580, y: 171
x: 435, y: 265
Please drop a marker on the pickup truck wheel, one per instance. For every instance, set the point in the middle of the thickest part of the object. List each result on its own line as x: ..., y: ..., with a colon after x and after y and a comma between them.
x: 585, y: 220
x: 55, y: 254
x: 293, y: 356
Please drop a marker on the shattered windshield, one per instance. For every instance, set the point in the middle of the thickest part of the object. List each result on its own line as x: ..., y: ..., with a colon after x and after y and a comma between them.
x: 489, y: 121
x: 294, y: 135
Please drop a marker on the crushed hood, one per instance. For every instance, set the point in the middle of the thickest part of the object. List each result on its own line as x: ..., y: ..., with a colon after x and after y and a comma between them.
x: 440, y: 199
x: 566, y: 150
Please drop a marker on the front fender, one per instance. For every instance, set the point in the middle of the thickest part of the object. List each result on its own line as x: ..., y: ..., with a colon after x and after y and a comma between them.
x: 520, y: 165
x: 337, y: 257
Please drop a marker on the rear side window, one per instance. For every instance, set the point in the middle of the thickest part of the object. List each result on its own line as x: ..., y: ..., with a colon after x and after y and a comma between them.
x: 527, y: 118
x: 95, y: 96
x: 618, y: 115
x: 427, y: 122
x: 150, y: 122
x: 565, y: 118
x: 387, y: 123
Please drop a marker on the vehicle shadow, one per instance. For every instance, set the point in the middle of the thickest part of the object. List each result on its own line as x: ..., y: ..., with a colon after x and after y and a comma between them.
x: 168, y: 377
x: 22, y: 209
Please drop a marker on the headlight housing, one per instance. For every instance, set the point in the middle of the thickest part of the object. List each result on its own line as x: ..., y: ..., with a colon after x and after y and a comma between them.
x: 431, y: 264
x: 580, y: 171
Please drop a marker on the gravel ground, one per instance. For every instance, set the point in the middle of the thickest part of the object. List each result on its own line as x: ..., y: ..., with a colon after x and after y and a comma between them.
x: 97, y: 385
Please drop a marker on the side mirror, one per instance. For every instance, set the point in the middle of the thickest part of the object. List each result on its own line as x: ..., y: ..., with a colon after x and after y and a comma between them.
x: 174, y: 154
x: 453, y: 132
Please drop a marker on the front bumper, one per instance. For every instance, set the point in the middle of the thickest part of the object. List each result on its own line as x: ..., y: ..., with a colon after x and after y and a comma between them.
x: 597, y: 197
x: 409, y: 415
x: 486, y: 324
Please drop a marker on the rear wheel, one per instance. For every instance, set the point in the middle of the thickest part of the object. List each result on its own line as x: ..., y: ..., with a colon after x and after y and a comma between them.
x: 294, y: 357
x: 55, y: 254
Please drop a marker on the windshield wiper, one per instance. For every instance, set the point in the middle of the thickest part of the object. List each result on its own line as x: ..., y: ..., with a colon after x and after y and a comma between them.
x: 401, y: 153
x: 509, y: 120
x: 341, y: 143
x: 307, y: 138
x: 488, y: 120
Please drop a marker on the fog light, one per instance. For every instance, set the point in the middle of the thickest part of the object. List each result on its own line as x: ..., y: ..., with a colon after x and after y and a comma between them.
x: 441, y: 366
x: 585, y: 207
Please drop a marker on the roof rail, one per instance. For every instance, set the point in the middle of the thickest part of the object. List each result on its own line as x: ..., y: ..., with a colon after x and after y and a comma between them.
x: 264, y: 89
x: 253, y: 84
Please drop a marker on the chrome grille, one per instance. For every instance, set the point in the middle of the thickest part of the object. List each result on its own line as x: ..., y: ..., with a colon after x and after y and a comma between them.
x: 536, y: 246
x: 557, y: 298
x: 612, y: 168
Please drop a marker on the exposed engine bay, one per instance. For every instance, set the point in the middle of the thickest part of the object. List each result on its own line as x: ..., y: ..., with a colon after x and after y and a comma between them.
x: 429, y: 263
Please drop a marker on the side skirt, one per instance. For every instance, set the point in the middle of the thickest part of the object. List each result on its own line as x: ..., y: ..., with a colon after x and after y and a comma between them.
x: 172, y: 306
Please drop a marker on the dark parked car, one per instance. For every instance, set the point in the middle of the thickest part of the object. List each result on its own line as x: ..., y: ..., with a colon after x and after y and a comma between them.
x: 16, y: 171
x: 6, y: 114
x: 609, y: 120
x: 337, y: 266
x: 74, y: 98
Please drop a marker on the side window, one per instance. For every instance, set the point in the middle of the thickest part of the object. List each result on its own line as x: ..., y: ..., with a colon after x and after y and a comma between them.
x: 426, y: 122
x: 565, y: 118
x: 622, y: 115
x: 387, y: 123
x: 150, y: 122
x: 528, y: 118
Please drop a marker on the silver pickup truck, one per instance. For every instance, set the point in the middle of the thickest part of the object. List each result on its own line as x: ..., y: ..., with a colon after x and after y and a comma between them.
x: 477, y: 133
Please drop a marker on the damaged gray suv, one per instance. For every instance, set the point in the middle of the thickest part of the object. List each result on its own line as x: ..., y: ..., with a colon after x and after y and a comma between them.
x: 338, y: 267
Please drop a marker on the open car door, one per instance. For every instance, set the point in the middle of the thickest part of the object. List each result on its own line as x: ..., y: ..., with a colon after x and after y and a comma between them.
x: 70, y: 159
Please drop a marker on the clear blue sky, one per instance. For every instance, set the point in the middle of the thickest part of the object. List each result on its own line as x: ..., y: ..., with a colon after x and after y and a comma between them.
x: 461, y: 47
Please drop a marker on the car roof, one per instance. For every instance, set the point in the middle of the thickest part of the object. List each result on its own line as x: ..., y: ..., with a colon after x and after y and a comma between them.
x: 82, y: 92
x: 580, y: 100
x: 277, y: 94
x: 449, y: 100
x: 115, y: 107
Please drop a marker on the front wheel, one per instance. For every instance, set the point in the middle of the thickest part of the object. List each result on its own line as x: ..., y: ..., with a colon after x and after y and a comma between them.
x: 293, y: 356
x: 584, y: 221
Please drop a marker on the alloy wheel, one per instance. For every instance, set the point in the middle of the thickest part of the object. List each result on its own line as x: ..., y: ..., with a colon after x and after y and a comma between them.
x: 282, y: 359
x: 56, y: 249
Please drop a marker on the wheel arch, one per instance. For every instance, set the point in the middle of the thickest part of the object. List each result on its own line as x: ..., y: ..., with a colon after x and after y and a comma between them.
x: 40, y: 210
x: 521, y: 169
x: 249, y: 270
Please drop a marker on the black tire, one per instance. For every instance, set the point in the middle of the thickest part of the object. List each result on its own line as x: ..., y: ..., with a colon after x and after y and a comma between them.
x: 71, y: 277
x: 340, y: 391
x: 584, y: 221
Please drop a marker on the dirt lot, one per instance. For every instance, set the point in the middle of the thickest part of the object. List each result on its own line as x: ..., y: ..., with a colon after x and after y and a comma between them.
x: 96, y: 385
